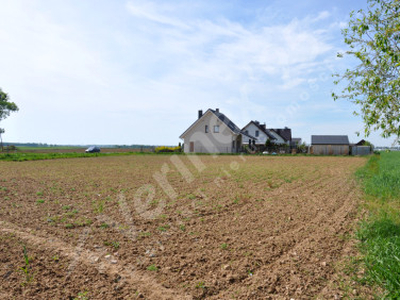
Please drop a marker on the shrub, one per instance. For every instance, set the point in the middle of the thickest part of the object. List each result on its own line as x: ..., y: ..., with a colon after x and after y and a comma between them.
x: 166, y: 149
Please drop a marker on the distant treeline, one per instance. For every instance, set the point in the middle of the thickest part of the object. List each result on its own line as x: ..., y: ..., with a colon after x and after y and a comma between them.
x: 44, y: 145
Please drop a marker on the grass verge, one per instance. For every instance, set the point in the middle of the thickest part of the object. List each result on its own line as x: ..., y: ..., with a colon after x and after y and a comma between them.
x: 44, y: 156
x: 379, y: 235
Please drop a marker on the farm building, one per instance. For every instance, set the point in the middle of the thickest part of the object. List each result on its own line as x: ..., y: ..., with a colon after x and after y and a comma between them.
x: 361, y: 148
x: 330, y: 145
x: 213, y: 132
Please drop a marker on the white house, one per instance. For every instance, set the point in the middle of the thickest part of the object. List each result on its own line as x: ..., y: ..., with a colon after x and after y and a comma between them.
x: 263, y: 134
x: 282, y: 135
x: 259, y: 131
x: 213, y: 132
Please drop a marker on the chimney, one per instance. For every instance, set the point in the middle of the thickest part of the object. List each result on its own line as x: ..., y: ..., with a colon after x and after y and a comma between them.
x: 258, y: 123
x: 217, y: 110
x: 200, y: 113
x: 263, y: 126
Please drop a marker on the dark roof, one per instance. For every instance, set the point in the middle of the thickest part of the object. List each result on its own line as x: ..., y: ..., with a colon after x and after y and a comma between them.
x: 285, y: 133
x: 360, y: 143
x: 262, y: 128
x: 296, y: 140
x: 232, y: 126
x: 329, y: 140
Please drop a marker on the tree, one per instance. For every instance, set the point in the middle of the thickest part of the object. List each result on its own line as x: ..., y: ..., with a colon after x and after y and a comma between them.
x: 373, y: 36
x: 6, y: 107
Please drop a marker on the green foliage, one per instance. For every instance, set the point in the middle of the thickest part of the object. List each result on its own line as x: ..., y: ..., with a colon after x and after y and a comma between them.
x: 269, y: 144
x: 6, y: 107
x: 302, y: 148
x: 165, y: 149
x: 374, y: 84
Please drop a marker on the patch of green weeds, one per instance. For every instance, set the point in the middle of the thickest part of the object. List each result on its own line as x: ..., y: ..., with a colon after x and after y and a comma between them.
x: 152, y: 268
x: 144, y: 234
x: 113, y: 244
x: 163, y: 228
x: 98, y: 206
x: 200, y: 285
x: 104, y: 225
x: 27, y: 269
x: 82, y: 296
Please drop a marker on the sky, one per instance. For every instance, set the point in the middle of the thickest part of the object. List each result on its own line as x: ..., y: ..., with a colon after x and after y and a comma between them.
x: 137, y: 72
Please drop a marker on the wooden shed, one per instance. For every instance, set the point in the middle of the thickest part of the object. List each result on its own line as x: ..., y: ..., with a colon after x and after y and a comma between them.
x: 330, y: 145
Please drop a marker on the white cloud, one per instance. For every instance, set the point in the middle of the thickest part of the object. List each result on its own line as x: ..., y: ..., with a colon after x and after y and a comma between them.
x: 148, y: 10
x: 132, y: 68
x: 322, y: 16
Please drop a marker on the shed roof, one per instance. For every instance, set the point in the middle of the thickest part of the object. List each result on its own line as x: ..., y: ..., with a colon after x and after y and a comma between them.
x: 330, y: 140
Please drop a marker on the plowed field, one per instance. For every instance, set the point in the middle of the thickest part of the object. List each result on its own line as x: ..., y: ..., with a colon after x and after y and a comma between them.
x: 175, y: 227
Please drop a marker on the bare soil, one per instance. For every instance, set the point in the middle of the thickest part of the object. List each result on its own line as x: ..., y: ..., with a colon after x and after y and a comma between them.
x: 226, y: 227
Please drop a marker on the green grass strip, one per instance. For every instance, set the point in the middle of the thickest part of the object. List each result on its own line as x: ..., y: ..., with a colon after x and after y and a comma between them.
x: 379, y: 235
x: 43, y: 156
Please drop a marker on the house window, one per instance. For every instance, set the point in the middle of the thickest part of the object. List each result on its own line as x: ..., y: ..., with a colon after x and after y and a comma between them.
x: 246, y: 132
x: 257, y: 133
x: 206, y: 129
x: 216, y: 128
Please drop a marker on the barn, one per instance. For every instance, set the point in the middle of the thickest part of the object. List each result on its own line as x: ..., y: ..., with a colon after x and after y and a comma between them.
x: 330, y: 145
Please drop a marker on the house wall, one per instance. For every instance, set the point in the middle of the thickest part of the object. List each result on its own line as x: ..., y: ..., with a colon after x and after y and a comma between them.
x: 261, y: 139
x: 279, y: 139
x: 330, y: 149
x: 210, y: 142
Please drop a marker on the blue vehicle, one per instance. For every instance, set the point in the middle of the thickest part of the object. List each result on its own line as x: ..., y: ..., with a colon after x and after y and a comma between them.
x: 93, y: 149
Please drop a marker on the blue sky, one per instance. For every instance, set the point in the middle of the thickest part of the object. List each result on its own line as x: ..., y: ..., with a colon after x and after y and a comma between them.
x: 137, y: 72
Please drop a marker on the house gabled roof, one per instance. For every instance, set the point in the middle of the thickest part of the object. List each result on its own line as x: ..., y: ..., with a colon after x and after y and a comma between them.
x: 285, y: 133
x: 329, y: 140
x: 232, y: 126
x: 262, y: 128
